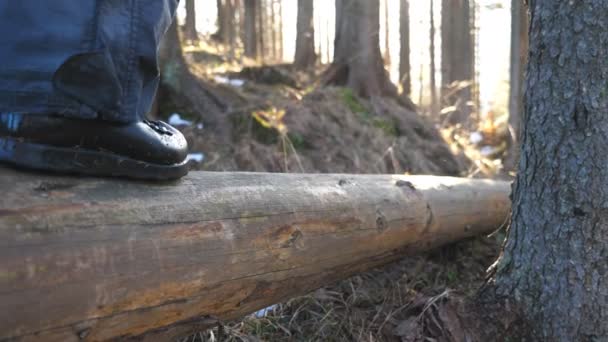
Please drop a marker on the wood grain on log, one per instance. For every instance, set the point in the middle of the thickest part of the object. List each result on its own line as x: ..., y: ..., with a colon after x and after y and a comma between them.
x: 92, y: 259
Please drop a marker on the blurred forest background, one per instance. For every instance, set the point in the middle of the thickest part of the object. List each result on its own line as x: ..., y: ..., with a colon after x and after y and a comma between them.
x: 351, y: 86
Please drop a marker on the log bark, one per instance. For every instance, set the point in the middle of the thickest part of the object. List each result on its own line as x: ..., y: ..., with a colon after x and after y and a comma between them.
x: 110, y: 259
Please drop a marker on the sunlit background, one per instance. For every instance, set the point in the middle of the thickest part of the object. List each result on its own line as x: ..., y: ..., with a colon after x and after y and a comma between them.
x: 492, y: 23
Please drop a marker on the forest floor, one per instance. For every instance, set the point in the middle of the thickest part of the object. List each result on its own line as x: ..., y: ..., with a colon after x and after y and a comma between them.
x: 274, y: 119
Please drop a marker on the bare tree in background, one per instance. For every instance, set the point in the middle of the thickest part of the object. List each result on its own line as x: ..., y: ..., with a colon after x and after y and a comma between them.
x: 519, y: 57
x: 280, y: 29
x: 250, y: 35
x: 305, y: 56
x: 273, y: 30
x: 404, y: 55
x: 434, y: 103
x: 357, y: 59
x: 457, y: 54
x: 261, y: 12
x: 230, y: 29
x: 387, y: 38
x: 190, y: 31
x: 221, y: 30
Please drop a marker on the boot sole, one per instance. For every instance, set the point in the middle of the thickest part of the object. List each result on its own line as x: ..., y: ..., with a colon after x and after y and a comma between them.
x: 84, y: 161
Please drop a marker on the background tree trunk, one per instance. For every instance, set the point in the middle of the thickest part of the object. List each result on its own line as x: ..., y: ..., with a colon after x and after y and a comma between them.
x: 554, y: 261
x: 280, y: 29
x: 230, y: 33
x: 261, y: 30
x: 273, y: 31
x: 357, y: 58
x: 519, y: 58
x: 190, y: 25
x: 457, y: 52
x: 221, y: 13
x: 434, y: 102
x: 251, y: 38
x: 305, y: 39
x: 387, y: 39
x: 404, y: 58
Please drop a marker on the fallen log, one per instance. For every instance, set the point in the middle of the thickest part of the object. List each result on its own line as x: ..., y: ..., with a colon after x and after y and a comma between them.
x: 92, y: 259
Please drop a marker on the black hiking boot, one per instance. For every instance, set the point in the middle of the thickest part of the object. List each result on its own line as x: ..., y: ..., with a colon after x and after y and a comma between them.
x: 148, y: 150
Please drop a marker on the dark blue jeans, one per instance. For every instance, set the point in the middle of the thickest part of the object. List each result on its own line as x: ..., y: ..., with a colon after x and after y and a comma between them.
x: 81, y: 58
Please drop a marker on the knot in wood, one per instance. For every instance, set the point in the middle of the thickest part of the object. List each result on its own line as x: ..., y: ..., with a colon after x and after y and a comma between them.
x: 381, y: 223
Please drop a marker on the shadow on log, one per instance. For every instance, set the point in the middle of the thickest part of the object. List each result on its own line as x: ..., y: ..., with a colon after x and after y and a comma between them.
x: 92, y: 259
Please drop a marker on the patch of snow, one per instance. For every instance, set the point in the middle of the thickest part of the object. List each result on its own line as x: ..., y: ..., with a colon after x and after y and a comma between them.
x: 233, y: 82
x: 476, y: 138
x: 195, y: 157
x: 237, y: 82
x: 487, y: 151
x: 176, y: 120
x: 262, y: 313
x: 221, y: 79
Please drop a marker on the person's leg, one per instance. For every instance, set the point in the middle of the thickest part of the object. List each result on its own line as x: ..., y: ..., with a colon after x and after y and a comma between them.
x: 87, y: 69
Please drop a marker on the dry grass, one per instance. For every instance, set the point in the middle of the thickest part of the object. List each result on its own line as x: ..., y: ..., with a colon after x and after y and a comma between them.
x: 372, y: 306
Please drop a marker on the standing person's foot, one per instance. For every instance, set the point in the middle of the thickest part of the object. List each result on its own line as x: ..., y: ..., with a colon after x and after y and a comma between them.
x: 147, y: 149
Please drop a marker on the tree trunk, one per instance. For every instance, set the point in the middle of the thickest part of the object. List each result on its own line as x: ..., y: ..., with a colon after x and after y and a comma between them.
x: 251, y: 38
x: 434, y: 102
x: 107, y: 259
x: 261, y: 30
x: 280, y: 29
x: 357, y: 59
x: 190, y: 25
x: 171, y: 60
x: 305, y: 56
x: 457, y: 54
x: 178, y: 81
x: 273, y: 30
x: 387, y: 31
x: 404, y: 56
x: 554, y: 265
x: 230, y: 33
x: 519, y: 58
x: 220, y: 34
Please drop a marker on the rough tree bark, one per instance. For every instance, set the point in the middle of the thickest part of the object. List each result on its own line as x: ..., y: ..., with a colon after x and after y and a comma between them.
x: 251, y: 38
x: 305, y: 56
x: 404, y: 55
x: 357, y: 59
x: 519, y: 58
x: 94, y: 260
x: 190, y: 24
x: 553, y: 266
x: 457, y: 53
